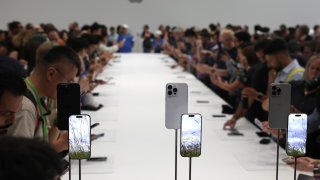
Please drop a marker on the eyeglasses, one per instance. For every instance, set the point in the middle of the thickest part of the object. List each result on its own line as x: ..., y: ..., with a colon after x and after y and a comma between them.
x: 63, y: 76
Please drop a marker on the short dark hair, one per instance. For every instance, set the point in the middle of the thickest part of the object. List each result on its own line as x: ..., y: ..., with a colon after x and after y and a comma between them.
x: 92, y: 39
x: 11, y: 82
x: 95, y: 26
x: 77, y: 43
x: 190, y: 33
x: 13, y: 25
x: 304, y: 29
x: 261, y: 44
x: 243, y: 36
x: 59, y: 54
x: 205, y: 33
x: 275, y: 46
x: 10, y: 65
x: 22, y: 158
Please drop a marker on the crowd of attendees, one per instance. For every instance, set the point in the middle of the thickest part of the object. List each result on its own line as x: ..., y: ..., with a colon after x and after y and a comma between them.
x: 239, y: 66
x: 236, y: 64
x: 33, y: 61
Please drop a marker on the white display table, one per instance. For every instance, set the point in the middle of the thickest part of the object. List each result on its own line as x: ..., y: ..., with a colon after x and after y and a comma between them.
x: 138, y: 145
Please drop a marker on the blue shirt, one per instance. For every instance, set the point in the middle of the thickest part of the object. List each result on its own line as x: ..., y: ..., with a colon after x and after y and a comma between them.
x: 157, y: 45
x: 128, y: 44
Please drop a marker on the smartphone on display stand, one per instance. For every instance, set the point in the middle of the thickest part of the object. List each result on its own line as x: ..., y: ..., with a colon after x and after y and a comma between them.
x: 176, y: 104
x: 296, y: 135
x: 191, y: 135
x: 79, y: 137
x: 68, y: 103
x: 279, y: 105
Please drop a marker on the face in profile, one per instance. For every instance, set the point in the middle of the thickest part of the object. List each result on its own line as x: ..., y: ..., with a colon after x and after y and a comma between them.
x: 272, y: 62
x: 60, y: 74
x: 9, y: 105
x: 314, y: 69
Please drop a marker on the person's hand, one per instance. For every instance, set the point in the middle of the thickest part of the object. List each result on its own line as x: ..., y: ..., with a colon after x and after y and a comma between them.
x: 231, y: 123
x: 62, y: 142
x: 121, y: 44
x: 213, y: 78
x: 14, y: 55
x: 199, y: 43
x: 266, y: 128
x: 203, y: 68
x: 265, y: 104
x: 249, y: 92
x: 84, y: 84
x: 304, y: 164
x: 294, y: 110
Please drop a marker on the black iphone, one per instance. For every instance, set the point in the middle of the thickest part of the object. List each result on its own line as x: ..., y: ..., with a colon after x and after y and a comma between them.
x: 68, y: 103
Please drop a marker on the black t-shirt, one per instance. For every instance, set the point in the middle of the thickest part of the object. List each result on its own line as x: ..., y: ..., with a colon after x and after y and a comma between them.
x: 305, y: 104
x: 258, y: 79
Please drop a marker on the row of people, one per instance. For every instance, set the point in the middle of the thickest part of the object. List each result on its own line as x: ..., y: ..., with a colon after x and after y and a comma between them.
x: 239, y: 67
x: 28, y: 100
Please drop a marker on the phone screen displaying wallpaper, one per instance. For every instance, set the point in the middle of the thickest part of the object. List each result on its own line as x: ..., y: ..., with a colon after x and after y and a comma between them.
x: 191, y: 136
x: 79, y: 137
x: 297, y: 135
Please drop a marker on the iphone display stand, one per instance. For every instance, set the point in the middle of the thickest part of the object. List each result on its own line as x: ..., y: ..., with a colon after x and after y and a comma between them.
x: 190, y: 160
x: 70, y: 169
x: 79, y: 169
x: 176, y: 156
x: 295, y: 168
x: 278, y: 146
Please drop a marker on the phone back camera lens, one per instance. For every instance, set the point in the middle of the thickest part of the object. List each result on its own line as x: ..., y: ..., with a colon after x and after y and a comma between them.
x: 175, y: 90
x: 170, y: 93
x: 274, y: 87
x: 169, y: 87
x: 274, y: 93
x: 279, y: 90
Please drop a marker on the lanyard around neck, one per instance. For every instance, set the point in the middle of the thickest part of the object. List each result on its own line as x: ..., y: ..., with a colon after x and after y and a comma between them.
x: 39, y: 106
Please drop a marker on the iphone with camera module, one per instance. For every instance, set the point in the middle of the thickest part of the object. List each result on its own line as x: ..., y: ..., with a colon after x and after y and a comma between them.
x: 296, y: 135
x: 279, y: 105
x: 176, y: 104
x: 79, y: 137
x: 190, y: 135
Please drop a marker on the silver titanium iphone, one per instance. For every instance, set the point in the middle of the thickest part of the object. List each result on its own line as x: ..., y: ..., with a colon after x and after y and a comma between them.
x: 279, y: 105
x: 176, y: 104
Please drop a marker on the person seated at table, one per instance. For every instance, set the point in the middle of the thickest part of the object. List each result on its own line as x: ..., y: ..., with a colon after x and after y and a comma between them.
x: 249, y: 63
x: 277, y: 57
x: 59, y: 65
x: 12, y: 89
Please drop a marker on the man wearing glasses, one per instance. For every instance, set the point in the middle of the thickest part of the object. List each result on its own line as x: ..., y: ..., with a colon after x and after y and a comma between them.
x: 58, y: 65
